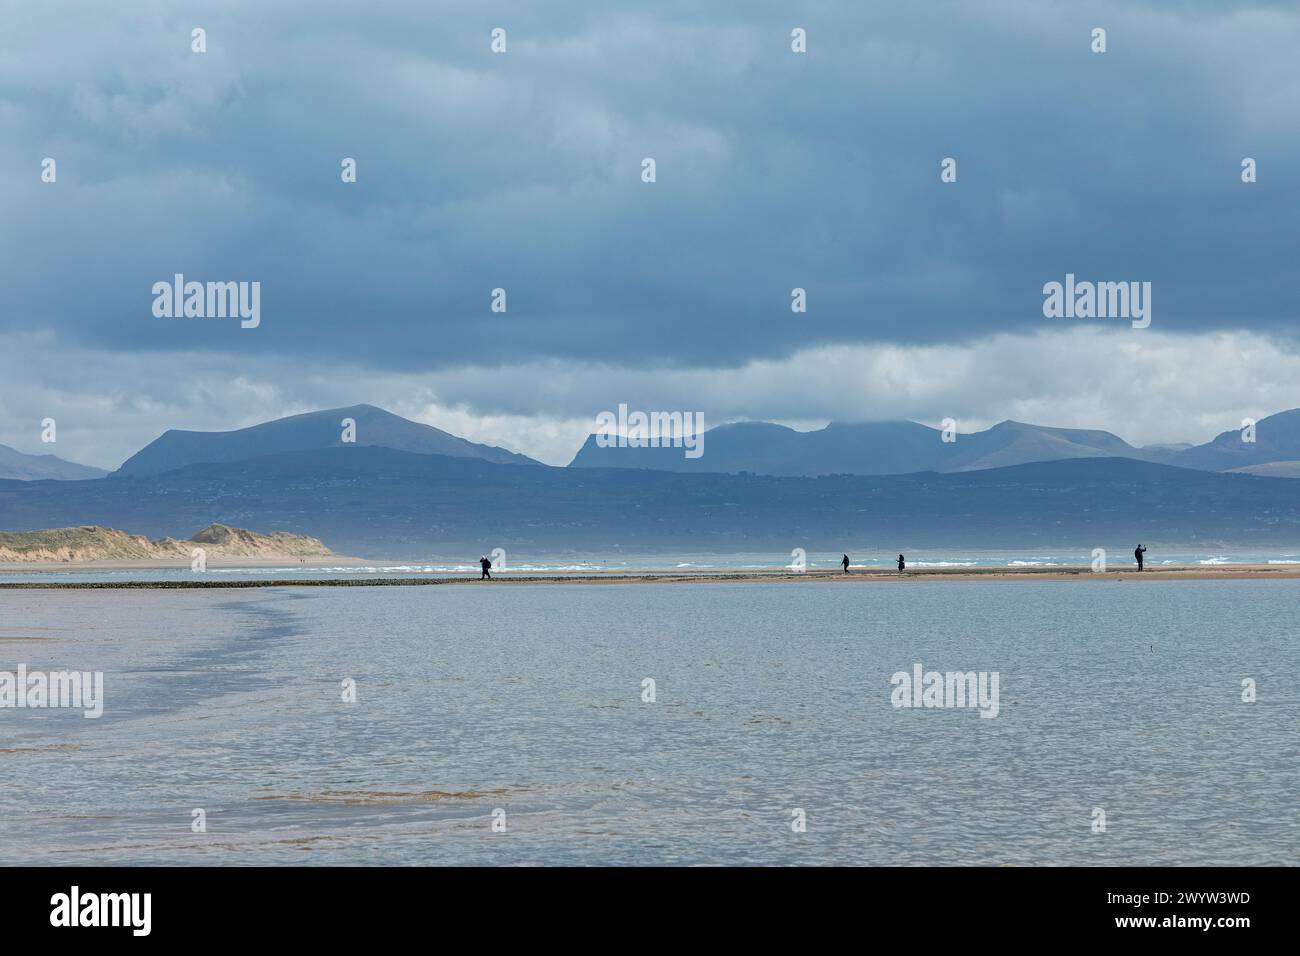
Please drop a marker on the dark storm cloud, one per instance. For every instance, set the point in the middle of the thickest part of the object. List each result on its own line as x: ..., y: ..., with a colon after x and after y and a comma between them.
x: 522, y: 170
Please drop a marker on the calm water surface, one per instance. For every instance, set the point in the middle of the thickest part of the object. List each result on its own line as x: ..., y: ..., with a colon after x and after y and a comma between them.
x: 1124, y: 696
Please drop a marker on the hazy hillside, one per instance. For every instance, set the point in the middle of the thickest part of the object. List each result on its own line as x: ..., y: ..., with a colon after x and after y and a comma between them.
x: 15, y: 464
x: 323, y: 429
x: 1272, y: 469
x: 382, y: 503
x: 867, y: 448
x: 765, y: 448
x: 1018, y: 443
x: 1277, y: 439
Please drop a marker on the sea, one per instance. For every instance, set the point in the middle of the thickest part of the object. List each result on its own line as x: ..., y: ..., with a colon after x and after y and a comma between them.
x: 726, y: 723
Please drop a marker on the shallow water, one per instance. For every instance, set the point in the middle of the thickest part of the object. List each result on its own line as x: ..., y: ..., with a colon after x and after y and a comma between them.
x: 1124, y: 696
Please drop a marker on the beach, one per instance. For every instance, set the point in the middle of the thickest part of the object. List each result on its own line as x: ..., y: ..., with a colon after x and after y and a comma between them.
x: 1082, y: 572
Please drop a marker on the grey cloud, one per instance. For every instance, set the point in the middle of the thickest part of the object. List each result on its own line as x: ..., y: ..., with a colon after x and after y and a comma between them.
x: 521, y: 171
x: 1152, y: 389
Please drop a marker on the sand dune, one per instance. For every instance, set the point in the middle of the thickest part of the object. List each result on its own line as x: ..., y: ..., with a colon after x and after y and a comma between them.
x: 91, y: 543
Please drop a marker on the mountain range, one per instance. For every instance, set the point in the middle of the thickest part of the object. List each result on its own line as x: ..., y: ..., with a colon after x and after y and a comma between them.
x: 763, y: 448
x: 405, y: 490
x: 380, y: 503
x: 902, y: 447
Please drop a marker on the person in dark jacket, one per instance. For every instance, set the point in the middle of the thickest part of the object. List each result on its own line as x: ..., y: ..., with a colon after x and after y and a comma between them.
x: 845, y: 562
x: 902, y: 565
x: 485, y: 564
x: 1138, y: 552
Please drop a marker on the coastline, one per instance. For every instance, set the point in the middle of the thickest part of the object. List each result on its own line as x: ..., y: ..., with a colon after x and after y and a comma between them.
x: 173, y: 564
x: 1083, y: 572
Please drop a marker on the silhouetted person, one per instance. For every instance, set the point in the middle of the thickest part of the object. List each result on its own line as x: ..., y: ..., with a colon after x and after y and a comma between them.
x: 902, y: 565
x: 1138, y: 552
x: 485, y: 564
x: 845, y: 562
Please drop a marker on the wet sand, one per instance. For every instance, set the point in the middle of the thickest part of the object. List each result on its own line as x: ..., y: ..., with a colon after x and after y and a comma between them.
x: 1083, y: 572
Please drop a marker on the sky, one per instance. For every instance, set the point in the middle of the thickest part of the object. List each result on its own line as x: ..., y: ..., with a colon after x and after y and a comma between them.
x: 523, y: 170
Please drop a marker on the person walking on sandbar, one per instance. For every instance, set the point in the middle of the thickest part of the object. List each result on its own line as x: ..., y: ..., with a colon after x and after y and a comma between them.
x: 1138, y: 552
x: 485, y: 564
x: 845, y: 562
x: 902, y: 564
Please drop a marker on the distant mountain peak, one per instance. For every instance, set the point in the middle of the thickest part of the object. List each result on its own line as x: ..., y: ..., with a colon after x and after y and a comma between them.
x: 23, y: 467
x: 369, y: 425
